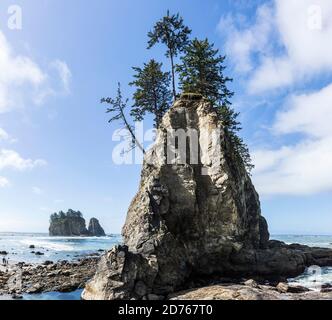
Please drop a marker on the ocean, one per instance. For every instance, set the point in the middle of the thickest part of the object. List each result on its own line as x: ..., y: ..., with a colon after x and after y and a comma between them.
x: 53, y: 248
x: 70, y: 248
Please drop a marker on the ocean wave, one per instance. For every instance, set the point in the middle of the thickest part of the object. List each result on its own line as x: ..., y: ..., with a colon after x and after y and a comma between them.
x: 43, y: 243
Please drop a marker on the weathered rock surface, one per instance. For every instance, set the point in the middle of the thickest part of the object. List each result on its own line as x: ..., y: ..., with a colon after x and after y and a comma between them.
x: 95, y: 228
x: 62, y: 276
x: 243, y: 292
x: 72, y: 223
x: 196, y: 214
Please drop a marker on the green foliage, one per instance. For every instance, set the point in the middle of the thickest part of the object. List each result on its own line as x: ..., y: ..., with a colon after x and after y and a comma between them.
x: 232, y: 126
x: 172, y: 32
x: 70, y: 214
x: 152, y: 93
x: 201, y: 71
x: 117, y: 107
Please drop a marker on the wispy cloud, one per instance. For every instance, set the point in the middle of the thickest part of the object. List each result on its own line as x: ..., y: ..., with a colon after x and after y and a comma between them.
x: 23, y: 81
x: 13, y: 160
x: 3, y: 182
x: 37, y: 190
x: 288, y: 43
x: 304, y: 167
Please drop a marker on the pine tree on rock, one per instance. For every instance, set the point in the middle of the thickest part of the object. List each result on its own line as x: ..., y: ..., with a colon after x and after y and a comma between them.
x: 172, y: 32
x: 233, y: 126
x: 201, y: 71
x: 152, y: 93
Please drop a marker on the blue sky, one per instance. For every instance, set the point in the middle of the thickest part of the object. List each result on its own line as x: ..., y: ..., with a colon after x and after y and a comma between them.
x: 55, y: 143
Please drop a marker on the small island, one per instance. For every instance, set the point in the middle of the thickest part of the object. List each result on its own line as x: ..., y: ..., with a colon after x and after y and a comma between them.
x: 73, y: 224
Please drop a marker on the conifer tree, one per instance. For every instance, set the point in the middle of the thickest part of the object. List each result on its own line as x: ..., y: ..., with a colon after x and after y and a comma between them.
x: 202, y: 71
x: 232, y: 126
x: 172, y: 32
x: 152, y: 93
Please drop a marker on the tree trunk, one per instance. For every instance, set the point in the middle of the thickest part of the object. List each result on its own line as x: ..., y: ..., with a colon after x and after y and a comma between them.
x: 173, y: 76
x: 131, y: 131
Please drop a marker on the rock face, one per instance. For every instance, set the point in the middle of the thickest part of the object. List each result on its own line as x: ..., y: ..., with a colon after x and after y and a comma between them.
x: 72, y: 224
x: 196, y: 214
x: 95, y: 228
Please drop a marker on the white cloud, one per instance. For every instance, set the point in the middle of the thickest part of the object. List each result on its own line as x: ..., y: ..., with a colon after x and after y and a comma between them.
x: 302, y: 33
x: 24, y: 81
x: 242, y: 42
x: 310, y: 114
x: 37, y: 190
x: 305, y: 167
x: 64, y: 73
x: 12, y: 159
x: 3, y: 135
x: 3, y: 182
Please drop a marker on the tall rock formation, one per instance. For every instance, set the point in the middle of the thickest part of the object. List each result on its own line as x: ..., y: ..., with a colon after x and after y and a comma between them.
x: 72, y: 224
x: 196, y: 214
x: 67, y: 224
x: 95, y: 228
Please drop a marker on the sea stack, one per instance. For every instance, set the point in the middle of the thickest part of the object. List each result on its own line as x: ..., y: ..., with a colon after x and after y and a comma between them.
x: 73, y: 224
x: 95, y: 228
x: 196, y: 214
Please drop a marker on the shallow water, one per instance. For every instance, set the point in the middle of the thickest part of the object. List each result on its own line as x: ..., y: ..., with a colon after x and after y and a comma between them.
x: 53, y: 248
x: 76, y: 295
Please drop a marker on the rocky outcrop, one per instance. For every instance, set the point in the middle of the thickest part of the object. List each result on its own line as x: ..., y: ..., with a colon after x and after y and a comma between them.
x: 95, y: 228
x: 248, y: 292
x: 72, y: 224
x: 196, y: 215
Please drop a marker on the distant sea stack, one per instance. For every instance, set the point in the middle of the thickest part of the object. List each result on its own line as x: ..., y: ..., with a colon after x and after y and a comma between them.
x: 73, y: 224
x: 95, y: 228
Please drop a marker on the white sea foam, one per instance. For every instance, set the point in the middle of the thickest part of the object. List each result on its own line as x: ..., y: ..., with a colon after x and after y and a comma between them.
x: 313, y: 278
x: 47, y: 244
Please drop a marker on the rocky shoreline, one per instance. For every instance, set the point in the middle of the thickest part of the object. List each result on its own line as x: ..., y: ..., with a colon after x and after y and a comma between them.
x: 63, y: 276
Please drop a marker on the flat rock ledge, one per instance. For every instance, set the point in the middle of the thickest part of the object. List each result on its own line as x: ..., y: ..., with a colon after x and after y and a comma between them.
x: 248, y: 292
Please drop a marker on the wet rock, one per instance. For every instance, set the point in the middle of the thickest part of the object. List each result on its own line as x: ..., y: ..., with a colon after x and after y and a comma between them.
x: 326, y: 287
x: 297, y: 289
x: 154, y: 297
x: 16, y: 296
x: 140, y: 289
